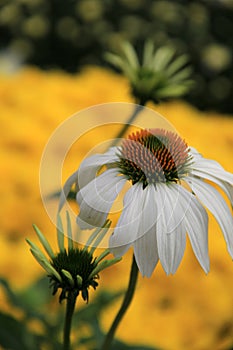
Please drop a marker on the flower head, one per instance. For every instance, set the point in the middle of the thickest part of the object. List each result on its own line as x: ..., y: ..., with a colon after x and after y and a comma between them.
x: 151, y: 156
x: 166, y: 199
x: 72, y: 269
x: 159, y: 76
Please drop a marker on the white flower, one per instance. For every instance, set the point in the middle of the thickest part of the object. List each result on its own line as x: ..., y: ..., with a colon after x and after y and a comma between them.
x: 166, y: 200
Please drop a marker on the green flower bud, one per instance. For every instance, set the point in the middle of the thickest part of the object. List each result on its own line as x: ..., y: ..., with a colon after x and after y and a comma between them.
x: 159, y: 76
x: 72, y: 269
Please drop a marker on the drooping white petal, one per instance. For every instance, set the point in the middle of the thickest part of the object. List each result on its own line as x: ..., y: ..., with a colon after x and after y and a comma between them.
x: 87, y: 172
x: 226, y: 187
x: 229, y: 191
x: 196, y: 223
x: 209, y: 166
x: 66, y: 189
x: 96, y: 198
x: 212, y: 199
x: 120, y: 250
x: 145, y: 247
x: 170, y: 228
x: 89, y: 167
x: 176, y: 225
x: 127, y: 227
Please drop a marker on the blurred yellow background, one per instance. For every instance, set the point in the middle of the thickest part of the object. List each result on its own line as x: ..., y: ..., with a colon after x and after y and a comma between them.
x: 187, y: 311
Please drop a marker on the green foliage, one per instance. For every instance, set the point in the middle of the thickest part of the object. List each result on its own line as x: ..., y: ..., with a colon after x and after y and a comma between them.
x: 14, y: 335
x: 32, y: 302
x: 35, y: 304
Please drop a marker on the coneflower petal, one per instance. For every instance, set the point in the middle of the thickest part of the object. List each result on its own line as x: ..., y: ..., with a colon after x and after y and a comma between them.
x: 126, y: 231
x: 170, y: 229
x: 145, y: 247
x: 196, y: 223
x: 96, y: 199
x: 212, y: 199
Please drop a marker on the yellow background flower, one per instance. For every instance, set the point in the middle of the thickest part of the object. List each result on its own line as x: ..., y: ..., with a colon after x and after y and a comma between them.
x: 187, y: 311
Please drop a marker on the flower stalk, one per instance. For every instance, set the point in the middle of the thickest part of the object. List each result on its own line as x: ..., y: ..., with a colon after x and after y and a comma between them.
x: 70, y: 307
x: 129, y: 122
x: 124, y: 307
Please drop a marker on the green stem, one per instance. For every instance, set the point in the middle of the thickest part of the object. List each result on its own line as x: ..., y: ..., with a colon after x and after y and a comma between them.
x: 70, y: 306
x: 125, y: 304
x: 121, y: 133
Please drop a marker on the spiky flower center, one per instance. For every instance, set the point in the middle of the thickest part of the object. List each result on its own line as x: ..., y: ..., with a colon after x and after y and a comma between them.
x: 79, y: 263
x: 154, y: 155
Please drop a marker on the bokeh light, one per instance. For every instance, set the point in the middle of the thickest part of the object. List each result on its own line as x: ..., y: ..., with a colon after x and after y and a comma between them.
x: 74, y: 33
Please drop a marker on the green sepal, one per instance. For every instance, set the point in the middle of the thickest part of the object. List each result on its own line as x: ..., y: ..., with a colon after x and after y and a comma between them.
x: 148, y: 54
x: 60, y: 234
x: 104, y: 265
x: 101, y: 235
x: 69, y: 232
x: 172, y: 91
x: 102, y: 255
x: 162, y: 58
x: 68, y: 275
x: 177, y: 64
x: 41, y: 259
x: 44, y: 242
x: 79, y: 281
x: 130, y: 54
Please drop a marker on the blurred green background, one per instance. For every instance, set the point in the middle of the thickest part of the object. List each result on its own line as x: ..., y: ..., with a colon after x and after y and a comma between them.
x: 73, y: 33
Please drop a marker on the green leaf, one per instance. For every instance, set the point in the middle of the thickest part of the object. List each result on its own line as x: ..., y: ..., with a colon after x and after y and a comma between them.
x: 36, y: 295
x: 15, y: 336
x: 118, y: 345
x: 30, y: 299
x: 99, y: 304
x: 90, y: 315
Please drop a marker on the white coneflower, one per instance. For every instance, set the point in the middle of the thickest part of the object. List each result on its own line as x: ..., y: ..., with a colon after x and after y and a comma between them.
x: 166, y: 199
